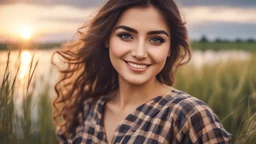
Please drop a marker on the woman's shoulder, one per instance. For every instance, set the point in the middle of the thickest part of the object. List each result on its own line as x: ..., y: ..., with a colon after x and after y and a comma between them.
x: 187, y: 103
x: 87, y: 105
x: 195, y: 118
x: 188, y: 108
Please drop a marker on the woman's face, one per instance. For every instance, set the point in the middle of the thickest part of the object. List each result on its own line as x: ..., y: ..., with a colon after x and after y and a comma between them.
x: 139, y: 45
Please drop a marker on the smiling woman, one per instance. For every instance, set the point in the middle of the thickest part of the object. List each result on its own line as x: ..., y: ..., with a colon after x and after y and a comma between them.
x: 139, y: 45
x: 117, y: 87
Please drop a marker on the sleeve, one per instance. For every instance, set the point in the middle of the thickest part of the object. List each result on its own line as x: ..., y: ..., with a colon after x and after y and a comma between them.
x: 61, y: 139
x: 205, y: 127
x: 75, y: 138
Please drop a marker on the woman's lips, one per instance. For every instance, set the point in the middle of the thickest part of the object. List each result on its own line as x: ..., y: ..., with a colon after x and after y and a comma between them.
x: 137, y: 66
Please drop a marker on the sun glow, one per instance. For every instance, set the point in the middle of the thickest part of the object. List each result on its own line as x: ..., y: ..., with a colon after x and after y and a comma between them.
x: 25, y: 61
x: 25, y: 33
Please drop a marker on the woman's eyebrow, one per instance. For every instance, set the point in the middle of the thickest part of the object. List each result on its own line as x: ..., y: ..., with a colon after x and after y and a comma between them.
x: 158, y: 32
x: 126, y: 28
x: 135, y: 31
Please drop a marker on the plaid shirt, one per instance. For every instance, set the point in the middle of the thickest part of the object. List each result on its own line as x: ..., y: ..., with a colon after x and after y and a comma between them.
x: 175, y: 118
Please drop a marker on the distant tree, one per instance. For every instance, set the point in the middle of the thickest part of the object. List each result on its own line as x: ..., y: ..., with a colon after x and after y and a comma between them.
x: 238, y: 40
x: 250, y: 40
x: 226, y: 41
x: 218, y: 40
x: 204, y: 39
x: 5, y: 46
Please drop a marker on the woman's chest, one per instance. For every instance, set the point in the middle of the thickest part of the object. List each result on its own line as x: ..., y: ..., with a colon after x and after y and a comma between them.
x: 111, y: 121
x: 149, y: 123
x: 132, y: 129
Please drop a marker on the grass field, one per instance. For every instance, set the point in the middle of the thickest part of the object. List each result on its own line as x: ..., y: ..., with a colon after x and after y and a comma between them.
x: 217, y: 46
x: 228, y: 88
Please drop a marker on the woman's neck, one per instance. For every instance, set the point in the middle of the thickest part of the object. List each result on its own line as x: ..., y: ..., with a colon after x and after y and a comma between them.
x: 129, y: 95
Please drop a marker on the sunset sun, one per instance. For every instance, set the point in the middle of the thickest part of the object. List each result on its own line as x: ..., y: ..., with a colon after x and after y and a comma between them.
x: 25, y: 33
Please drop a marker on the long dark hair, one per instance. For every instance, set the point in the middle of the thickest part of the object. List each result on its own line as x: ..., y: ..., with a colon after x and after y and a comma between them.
x: 88, y: 72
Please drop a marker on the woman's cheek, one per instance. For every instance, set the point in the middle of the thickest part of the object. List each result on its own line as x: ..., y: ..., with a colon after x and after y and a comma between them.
x: 119, y: 48
x: 160, y: 56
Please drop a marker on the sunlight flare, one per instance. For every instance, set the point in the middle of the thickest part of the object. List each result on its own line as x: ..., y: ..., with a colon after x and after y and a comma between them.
x: 25, y: 61
x: 25, y: 33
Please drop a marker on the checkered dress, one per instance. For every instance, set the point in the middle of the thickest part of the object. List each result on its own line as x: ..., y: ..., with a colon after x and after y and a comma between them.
x: 175, y: 118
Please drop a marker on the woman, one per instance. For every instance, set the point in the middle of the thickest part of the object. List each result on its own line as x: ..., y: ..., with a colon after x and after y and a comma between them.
x: 116, y: 87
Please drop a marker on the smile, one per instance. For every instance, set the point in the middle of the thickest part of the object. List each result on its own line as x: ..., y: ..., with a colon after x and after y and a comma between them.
x: 136, y: 66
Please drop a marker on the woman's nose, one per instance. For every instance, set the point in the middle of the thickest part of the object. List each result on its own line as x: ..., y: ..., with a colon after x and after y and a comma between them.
x: 140, y: 51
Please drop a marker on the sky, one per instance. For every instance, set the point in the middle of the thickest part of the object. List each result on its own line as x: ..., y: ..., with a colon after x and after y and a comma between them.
x: 58, y: 20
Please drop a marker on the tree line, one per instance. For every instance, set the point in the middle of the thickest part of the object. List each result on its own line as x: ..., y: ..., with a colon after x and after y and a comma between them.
x: 204, y: 39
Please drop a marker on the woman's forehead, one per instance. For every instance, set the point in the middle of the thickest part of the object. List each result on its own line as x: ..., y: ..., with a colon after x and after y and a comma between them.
x: 147, y: 18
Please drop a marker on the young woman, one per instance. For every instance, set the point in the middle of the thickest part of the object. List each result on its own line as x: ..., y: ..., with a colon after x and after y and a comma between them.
x: 116, y: 87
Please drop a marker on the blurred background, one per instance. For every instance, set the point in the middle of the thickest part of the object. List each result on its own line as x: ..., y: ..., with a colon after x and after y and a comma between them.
x: 222, y: 71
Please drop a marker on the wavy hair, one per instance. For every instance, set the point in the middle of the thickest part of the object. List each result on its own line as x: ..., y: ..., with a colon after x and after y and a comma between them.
x: 87, y: 71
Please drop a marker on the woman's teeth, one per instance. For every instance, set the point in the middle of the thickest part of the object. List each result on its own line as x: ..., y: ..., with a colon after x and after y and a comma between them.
x: 137, y: 65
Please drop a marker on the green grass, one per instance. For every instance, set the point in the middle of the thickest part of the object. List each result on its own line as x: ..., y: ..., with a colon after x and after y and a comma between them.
x: 216, y: 46
x: 16, y: 128
x: 248, y: 131
x: 7, y: 113
x: 228, y: 88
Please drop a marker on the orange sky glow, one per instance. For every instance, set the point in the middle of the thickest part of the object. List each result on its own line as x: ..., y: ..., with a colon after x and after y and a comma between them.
x: 42, y: 21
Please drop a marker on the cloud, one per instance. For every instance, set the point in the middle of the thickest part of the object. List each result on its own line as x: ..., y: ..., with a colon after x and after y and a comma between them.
x: 41, y: 19
x: 224, y: 30
x: 221, y: 3
x: 72, y: 3
x: 95, y: 3
x: 62, y: 21
x: 203, y: 14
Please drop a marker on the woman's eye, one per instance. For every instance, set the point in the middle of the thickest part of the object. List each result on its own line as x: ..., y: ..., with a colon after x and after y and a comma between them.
x: 157, y: 40
x: 125, y: 36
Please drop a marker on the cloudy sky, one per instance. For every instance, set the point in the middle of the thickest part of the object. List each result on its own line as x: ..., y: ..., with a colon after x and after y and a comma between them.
x: 57, y: 20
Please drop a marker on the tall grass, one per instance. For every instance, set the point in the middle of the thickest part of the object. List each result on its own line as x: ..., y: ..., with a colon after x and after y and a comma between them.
x: 18, y: 124
x: 217, y: 46
x: 228, y: 88
x: 248, y: 132
x: 45, y: 123
x: 7, y: 113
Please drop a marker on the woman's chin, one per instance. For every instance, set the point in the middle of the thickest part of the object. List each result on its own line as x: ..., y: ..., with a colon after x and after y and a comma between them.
x: 133, y: 80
